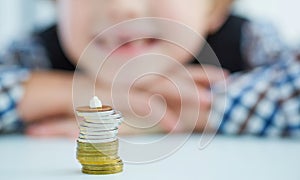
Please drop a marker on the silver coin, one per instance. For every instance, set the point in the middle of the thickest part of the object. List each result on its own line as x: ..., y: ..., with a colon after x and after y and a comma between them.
x: 102, y: 121
x: 95, y: 137
x: 97, y: 114
x: 98, y: 128
x: 97, y: 140
x: 99, y: 133
x: 92, y: 124
x: 100, y: 125
x: 91, y: 130
x: 106, y: 117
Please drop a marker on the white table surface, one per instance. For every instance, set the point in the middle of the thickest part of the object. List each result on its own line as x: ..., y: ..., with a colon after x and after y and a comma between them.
x: 225, y: 158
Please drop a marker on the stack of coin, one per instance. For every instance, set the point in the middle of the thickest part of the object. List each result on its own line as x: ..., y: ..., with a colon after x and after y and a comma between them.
x: 97, y: 144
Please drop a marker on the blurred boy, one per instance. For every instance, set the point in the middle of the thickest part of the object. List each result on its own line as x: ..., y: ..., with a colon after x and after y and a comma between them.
x: 42, y: 99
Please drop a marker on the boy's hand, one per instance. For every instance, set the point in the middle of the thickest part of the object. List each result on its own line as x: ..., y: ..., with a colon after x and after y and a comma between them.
x: 54, y: 127
x: 159, y: 100
x: 172, y: 100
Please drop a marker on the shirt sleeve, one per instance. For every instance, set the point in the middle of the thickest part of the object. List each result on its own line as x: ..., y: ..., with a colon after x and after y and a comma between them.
x: 11, y: 92
x: 16, y: 63
x: 263, y: 102
x: 261, y: 44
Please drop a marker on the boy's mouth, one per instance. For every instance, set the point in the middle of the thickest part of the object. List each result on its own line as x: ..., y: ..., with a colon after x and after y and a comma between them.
x: 136, y: 47
x: 124, y: 47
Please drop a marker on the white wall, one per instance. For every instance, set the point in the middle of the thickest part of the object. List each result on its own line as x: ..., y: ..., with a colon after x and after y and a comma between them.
x: 284, y: 14
x: 19, y: 17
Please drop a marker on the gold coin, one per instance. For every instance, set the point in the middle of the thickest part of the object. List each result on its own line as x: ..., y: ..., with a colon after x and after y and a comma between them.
x: 102, y: 168
x: 120, y: 162
x: 97, y: 158
x: 106, y: 154
x: 88, y: 149
x: 102, y: 152
x: 98, y: 145
x: 113, y: 146
x: 102, y: 172
x: 97, y: 161
x: 97, y: 150
x: 97, y: 140
x: 116, y: 168
x: 117, y: 161
x: 95, y: 153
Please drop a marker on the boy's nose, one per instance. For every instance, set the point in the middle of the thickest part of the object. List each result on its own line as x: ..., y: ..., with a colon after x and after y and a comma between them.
x: 121, y: 10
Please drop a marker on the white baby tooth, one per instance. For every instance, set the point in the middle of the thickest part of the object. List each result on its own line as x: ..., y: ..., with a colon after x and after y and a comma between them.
x: 95, y: 102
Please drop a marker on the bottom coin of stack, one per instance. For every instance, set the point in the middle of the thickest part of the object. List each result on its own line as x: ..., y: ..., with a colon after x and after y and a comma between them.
x: 97, y: 144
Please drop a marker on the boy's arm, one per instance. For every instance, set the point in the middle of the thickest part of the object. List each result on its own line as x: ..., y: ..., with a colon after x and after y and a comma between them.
x: 46, y: 94
x: 17, y: 64
x: 263, y: 102
x: 29, y: 96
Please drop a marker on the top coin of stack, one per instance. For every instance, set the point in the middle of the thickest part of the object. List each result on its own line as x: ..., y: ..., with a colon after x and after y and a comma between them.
x: 97, y: 144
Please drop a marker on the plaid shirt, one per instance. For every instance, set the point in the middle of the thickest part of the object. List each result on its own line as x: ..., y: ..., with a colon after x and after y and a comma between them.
x: 264, y: 101
x: 15, y: 66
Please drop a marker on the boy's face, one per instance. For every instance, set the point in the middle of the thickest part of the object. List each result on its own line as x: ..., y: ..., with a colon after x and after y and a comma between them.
x: 81, y: 21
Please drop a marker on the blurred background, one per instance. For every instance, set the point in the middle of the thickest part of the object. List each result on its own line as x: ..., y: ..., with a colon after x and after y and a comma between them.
x: 19, y: 17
